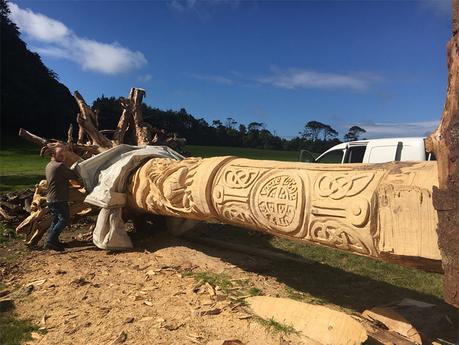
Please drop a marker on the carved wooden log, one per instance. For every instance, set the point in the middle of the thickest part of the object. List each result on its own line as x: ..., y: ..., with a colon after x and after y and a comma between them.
x: 444, y: 142
x: 378, y: 210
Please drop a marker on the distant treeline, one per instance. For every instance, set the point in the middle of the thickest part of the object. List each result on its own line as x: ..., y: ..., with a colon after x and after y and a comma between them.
x: 315, y: 136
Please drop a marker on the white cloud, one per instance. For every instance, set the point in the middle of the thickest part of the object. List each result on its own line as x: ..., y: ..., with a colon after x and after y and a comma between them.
x: 397, y: 129
x: 308, y: 79
x: 144, y: 78
x: 297, y: 79
x: 213, y: 79
x: 438, y: 7
x: 58, y: 41
x: 38, y: 26
x: 183, y: 5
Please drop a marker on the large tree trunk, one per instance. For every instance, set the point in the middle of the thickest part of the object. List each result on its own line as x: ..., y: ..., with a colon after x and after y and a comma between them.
x: 444, y: 142
x: 378, y: 210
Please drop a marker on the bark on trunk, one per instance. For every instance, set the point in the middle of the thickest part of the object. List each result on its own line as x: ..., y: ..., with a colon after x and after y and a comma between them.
x: 444, y: 142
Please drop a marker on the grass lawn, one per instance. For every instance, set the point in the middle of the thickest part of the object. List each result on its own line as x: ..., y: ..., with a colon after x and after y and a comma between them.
x: 22, y: 167
x: 244, y: 152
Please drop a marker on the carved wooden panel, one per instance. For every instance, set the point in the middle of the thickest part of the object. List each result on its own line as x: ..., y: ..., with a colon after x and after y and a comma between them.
x: 335, y: 205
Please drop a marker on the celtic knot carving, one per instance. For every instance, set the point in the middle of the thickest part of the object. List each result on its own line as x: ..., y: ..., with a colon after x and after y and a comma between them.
x: 344, y: 185
x: 337, y: 234
x: 240, y: 178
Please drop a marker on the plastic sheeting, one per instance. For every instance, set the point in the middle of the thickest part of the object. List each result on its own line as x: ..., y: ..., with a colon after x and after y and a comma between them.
x: 106, y: 176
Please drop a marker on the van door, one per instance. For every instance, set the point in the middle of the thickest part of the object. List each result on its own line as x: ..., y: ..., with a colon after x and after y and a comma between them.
x: 334, y: 156
x: 355, y: 154
x: 382, y: 154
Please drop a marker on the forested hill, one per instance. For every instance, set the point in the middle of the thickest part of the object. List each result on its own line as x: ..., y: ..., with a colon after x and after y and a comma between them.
x: 34, y: 99
x: 31, y: 95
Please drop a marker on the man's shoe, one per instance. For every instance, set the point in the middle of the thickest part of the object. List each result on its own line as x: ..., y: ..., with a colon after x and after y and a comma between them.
x: 53, y: 246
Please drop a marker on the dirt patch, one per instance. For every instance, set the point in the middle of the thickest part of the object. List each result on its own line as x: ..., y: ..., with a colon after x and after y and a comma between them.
x: 167, y: 293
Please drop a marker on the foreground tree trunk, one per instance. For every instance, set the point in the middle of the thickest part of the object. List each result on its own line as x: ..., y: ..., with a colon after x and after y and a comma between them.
x: 444, y: 142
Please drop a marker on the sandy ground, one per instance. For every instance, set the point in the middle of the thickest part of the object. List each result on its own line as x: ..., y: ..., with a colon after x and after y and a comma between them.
x: 150, y: 296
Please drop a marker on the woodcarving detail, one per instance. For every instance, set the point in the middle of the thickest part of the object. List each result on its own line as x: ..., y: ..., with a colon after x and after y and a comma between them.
x: 344, y: 185
x: 339, y: 208
x: 277, y: 199
x: 337, y: 234
x: 356, y: 212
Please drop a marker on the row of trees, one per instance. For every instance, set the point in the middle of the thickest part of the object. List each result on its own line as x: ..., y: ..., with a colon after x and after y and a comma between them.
x: 314, y: 130
x: 316, y: 136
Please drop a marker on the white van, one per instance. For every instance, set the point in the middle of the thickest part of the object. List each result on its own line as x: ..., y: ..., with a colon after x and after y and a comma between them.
x: 374, y: 151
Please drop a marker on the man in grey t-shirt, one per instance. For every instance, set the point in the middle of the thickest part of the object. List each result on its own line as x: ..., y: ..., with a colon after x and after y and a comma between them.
x: 58, y: 175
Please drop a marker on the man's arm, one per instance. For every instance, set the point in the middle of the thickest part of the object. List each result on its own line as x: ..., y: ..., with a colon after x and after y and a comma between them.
x: 69, y: 173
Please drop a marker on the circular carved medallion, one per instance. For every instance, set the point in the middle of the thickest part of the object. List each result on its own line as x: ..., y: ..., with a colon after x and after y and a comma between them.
x: 277, y: 201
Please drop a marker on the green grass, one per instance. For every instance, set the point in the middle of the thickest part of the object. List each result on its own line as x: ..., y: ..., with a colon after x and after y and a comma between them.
x: 274, y: 326
x: 243, y: 152
x: 7, y: 233
x: 237, y: 288
x: 14, y: 331
x: 20, y: 166
x: 214, y: 279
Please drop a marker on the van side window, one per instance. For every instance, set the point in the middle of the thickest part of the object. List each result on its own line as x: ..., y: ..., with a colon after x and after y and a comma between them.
x: 355, y: 154
x: 335, y: 156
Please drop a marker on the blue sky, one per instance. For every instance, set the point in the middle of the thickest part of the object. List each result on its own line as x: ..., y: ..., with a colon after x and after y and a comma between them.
x: 377, y: 64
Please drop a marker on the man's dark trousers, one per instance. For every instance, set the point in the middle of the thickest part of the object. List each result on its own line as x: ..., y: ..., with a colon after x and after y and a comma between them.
x: 61, y: 218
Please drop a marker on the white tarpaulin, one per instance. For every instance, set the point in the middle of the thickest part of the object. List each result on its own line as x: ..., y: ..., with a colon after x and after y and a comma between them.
x: 105, y: 177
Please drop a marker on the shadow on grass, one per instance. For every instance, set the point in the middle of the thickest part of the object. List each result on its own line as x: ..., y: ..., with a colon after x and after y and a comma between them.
x: 316, y: 282
x: 14, y: 331
x: 17, y: 182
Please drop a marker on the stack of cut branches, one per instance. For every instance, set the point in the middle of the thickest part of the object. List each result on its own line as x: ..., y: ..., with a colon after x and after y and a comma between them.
x: 15, y: 206
x: 131, y: 129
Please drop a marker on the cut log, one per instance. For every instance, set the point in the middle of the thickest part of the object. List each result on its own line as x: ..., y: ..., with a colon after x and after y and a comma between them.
x: 142, y: 130
x: 70, y: 135
x: 32, y: 137
x: 418, y: 321
x: 348, y: 207
x: 444, y: 143
x: 39, y: 220
x: 131, y: 117
x: 394, y: 321
x: 315, y: 324
x: 87, y: 120
x: 123, y: 123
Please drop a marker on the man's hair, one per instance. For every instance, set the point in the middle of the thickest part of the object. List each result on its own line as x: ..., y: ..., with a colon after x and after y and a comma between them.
x: 53, y: 150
